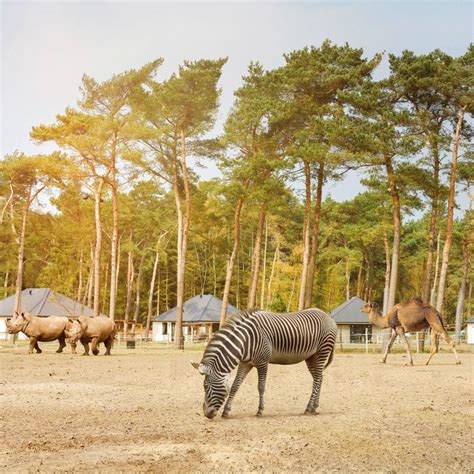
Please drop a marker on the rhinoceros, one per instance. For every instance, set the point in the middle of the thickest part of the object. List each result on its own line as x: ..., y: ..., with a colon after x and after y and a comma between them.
x: 91, y: 330
x: 39, y: 329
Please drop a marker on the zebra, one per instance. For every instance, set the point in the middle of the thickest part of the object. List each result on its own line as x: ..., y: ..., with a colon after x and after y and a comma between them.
x: 258, y: 338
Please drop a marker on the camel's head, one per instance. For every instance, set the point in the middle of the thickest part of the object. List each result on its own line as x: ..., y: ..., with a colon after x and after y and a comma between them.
x: 369, y: 307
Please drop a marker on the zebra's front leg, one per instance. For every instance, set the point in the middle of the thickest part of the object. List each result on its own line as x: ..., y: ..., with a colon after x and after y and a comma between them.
x: 262, y: 378
x: 242, y: 372
x: 315, y: 367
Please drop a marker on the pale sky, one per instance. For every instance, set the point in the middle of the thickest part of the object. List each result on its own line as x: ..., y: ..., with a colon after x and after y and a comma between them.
x: 47, y: 46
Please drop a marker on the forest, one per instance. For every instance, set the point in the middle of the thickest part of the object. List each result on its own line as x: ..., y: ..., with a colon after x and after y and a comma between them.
x: 120, y: 217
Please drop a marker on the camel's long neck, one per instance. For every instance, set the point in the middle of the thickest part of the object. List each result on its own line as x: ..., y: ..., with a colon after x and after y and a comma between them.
x: 378, y: 320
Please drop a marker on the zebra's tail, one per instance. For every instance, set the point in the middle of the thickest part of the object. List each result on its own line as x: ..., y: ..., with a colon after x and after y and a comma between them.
x: 331, y: 357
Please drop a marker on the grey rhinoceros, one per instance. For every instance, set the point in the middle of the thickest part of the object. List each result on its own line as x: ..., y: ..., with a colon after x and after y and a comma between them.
x: 91, y: 330
x: 39, y: 329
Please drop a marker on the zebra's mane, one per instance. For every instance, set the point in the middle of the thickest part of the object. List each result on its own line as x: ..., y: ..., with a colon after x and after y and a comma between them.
x: 235, y: 318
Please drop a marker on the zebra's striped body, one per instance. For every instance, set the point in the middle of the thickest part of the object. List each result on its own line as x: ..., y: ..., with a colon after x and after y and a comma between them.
x: 259, y: 338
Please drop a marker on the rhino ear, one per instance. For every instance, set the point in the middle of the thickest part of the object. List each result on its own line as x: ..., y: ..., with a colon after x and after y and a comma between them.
x: 26, y: 316
x: 70, y: 320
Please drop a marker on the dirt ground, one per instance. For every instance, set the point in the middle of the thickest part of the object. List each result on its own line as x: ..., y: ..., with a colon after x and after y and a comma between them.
x: 141, y: 410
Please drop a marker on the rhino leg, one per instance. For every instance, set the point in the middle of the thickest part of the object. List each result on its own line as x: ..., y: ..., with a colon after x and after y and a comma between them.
x: 86, y: 348
x: 73, y: 348
x: 33, y: 345
x: 62, y: 343
x: 108, y: 345
x: 94, y: 344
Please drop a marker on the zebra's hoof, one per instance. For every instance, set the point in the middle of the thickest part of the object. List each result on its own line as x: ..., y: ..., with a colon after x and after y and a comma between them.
x: 458, y: 362
x: 225, y: 415
x: 259, y: 413
x: 310, y: 413
x: 382, y: 361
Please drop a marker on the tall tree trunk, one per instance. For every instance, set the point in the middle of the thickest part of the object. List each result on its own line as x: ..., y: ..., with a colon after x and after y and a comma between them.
x: 256, y: 260
x: 272, y: 273
x: 462, y: 290
x: 98, y: 246
x: 396, y: 231
x: 450, y: 218
x: 290, y: 298
x: 117, y: 270
x: 435, y: 280
x: 115, y: 231
x: 214, y: 272
x: 359, y: 280
x: 81, y: 267
x: 90, y: 280
x: 5, y: 284
x: 150, y: 296
x: 138, y: 284
x: 314, y: 238
x: 431, y: 234
x: 264, y: 267
x: 128, y: 303
x: 158, y: 293
x: 306, y: 239
x: 387, y: 273
x: 348, y: 280
x: 106, y: 281
x: 231, y: 261
x: 183, y: 229
x: 21, y: 253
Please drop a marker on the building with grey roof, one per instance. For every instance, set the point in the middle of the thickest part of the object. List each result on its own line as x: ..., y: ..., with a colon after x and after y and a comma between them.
x: 353, y: 325
x: 201, y: 315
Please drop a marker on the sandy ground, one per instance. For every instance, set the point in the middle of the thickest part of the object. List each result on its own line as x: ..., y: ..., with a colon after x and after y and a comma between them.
x: 141, y: 410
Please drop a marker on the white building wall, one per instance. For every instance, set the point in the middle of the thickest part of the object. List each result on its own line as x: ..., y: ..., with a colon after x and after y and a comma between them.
x: 470, y: 333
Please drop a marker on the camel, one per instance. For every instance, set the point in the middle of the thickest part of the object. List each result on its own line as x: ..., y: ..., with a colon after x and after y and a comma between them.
x: 411, y: 316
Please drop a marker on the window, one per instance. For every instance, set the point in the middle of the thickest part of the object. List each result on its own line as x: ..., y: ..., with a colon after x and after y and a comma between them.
x: 357, y: 334
x: 165, y: 329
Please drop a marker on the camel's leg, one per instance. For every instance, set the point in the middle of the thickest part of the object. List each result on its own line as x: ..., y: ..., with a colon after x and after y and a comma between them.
x: 437, y: 327
x: 242, y: 372
x: 434, y: 345
x: 62, y: 343
x: 389, y: 346
x: 446, y: 337
x: 401, y: 333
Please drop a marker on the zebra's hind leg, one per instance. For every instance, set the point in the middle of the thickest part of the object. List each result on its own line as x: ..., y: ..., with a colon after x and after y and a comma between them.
x: 242, y: 372
x: 262, y: 369
x: 315, y: 365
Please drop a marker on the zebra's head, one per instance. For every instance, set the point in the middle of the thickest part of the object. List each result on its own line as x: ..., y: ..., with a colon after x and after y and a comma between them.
x: 216, y: 389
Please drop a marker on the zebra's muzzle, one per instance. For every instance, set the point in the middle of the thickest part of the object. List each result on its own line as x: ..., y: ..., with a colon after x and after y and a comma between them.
x: 209, y: 412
